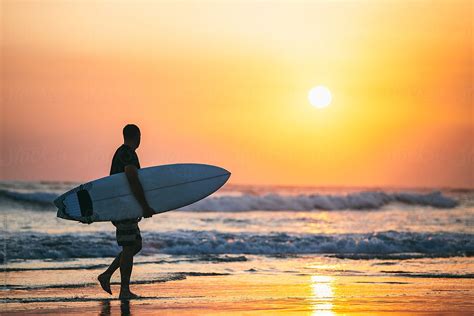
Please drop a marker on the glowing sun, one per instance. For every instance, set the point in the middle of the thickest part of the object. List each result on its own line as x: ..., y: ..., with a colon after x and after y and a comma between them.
x: 320, y: 97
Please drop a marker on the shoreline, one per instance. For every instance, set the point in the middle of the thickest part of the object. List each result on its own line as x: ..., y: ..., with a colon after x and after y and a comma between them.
x: 256, y: 294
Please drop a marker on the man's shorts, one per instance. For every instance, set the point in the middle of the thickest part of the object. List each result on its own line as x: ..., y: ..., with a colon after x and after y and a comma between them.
x: 128, y: 233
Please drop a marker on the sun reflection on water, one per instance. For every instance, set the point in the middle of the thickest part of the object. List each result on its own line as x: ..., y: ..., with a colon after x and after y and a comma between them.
x: 322, y: 295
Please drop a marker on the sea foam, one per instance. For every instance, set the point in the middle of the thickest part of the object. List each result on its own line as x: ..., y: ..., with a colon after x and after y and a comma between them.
x: 186, y: 242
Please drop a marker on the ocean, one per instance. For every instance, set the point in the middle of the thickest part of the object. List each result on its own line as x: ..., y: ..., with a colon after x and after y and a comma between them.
x: 243, y: 230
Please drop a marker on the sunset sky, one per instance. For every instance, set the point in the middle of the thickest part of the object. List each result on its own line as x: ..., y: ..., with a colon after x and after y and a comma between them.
x: 226, y: 83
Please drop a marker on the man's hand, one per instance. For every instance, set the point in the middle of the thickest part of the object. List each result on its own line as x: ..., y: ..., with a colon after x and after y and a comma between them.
x: 148, y: 212
x: 131, y: 172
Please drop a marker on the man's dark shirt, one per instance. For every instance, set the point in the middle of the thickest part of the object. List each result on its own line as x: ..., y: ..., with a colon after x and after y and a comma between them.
x: 124, y: 155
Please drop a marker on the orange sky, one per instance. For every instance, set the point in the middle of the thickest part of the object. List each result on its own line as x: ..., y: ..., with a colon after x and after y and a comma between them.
x: 226, y: 83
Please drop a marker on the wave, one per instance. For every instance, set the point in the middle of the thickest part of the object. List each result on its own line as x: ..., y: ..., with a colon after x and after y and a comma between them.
x: 431, y: 275
x: 396, y: 256
x: 354, y: 201
x: 41, y: 199
x: 201, y: 258
x: 75, y: 299
x: 388, y: 244
x: 365, y: 200
x: 165, y: 277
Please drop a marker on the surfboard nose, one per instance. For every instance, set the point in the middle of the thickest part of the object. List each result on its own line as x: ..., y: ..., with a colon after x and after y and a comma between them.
x: 224, y: 171
x: 211, y: 169
x: 227, y: 175
x: 220, y: 174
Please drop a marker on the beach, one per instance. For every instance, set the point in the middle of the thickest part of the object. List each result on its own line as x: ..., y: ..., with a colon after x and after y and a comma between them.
x: 249, y: 251
x: 311, y: 291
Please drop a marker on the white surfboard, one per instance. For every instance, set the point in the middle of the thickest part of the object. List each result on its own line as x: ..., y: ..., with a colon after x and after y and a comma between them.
x: 166, y: 187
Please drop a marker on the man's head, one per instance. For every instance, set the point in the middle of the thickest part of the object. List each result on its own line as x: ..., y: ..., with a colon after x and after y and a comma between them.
x: 131, y: 135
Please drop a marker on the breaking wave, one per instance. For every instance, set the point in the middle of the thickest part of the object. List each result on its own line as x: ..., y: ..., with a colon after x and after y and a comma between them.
x: 362, y: 246
x: 365, y: 200
x: 42, y: 199
x: 355, y: 201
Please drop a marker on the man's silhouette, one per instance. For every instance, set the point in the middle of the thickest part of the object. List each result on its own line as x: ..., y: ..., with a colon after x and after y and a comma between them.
x: 128, y: 234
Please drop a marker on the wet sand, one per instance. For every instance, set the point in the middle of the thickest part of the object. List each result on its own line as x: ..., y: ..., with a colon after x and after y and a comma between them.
x: 256, y: 294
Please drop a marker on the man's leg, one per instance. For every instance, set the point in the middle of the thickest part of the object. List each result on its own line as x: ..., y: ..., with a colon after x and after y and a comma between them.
x: 104, y: 278
x: 129, y: 238
x: 126, y: 266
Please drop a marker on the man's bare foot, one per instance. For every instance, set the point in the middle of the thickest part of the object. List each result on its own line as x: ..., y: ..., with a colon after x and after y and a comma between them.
x: 104, y: 280
x: 127, y: 295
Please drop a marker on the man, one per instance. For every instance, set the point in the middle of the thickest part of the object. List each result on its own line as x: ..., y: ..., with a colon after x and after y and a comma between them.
x: 128, y: 234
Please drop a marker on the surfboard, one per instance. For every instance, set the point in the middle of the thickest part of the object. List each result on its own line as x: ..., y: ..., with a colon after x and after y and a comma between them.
x: 166, y: 187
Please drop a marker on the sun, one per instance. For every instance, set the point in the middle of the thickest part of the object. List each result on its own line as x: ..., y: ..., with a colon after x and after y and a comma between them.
x: 320, y: 97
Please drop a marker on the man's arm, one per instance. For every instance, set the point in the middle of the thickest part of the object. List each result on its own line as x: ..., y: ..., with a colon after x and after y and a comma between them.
x: 135, y: 185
